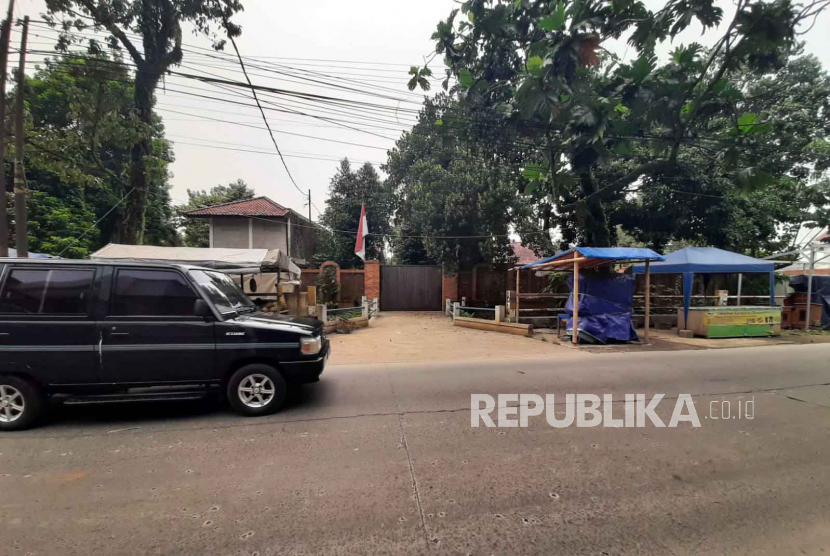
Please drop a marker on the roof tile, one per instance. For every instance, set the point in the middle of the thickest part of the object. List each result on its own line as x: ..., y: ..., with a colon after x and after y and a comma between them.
x: 523, y: 254
x: 258, y: 206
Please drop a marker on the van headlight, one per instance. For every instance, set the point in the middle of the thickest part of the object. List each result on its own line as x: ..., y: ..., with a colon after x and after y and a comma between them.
x: 311, y: 346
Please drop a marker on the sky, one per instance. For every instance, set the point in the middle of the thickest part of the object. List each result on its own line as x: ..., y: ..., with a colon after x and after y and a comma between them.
x: 358, y: 50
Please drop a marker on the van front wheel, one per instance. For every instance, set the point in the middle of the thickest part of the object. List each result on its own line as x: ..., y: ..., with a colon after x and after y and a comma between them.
x: 256, y: 389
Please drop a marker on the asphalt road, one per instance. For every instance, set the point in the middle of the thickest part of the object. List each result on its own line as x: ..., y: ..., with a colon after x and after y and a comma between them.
x: 383, y: 460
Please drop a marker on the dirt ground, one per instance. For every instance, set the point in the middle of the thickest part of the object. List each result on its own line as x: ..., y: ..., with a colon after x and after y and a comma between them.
x: 400, y: 337
x: 394, y: 337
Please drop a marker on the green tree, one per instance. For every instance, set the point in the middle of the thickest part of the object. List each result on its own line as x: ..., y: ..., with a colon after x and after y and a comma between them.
x: 159, y: 26
x: 451, y: 180
x: 197, y: 232
x: 540, y: 66
x: 347, y: 191
x: 79, y: 136
x: 702, y: 203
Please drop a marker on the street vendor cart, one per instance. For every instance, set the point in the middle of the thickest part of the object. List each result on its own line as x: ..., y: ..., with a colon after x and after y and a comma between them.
x: 720, y: 322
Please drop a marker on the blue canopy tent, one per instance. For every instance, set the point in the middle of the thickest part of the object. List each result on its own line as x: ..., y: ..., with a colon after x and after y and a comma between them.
x: 709, y: 260
x: 581, y: 258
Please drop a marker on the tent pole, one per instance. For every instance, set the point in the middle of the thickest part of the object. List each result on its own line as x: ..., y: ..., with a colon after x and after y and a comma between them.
x: 810, y: 287
x: 575, y: 339
x: 648, y: 300
x: 740, y: 280
x: 518, y: 274
x: 688, y: 283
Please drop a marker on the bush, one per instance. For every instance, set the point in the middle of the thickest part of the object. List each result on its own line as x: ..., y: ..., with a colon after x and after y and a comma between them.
x: 327, y: 286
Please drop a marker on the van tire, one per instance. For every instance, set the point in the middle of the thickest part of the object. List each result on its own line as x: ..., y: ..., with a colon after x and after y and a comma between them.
x: 256, y: 389
x: 13, y: 390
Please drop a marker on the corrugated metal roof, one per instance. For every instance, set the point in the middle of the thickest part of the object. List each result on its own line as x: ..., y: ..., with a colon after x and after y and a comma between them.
x: 258, y: 206
x: 231, y: 261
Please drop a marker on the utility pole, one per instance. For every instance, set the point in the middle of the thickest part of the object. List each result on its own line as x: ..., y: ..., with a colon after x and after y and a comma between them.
x: 309, y: 206
x: 5, y: 37
x: 810, y: 286
x: 19, y: 170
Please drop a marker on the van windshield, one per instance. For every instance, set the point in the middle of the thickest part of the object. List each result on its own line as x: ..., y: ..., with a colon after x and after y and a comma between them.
x: 223, y: 292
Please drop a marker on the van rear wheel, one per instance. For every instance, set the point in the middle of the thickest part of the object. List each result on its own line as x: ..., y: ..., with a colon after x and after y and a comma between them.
x: 256, y: 389
x: 21, y: 402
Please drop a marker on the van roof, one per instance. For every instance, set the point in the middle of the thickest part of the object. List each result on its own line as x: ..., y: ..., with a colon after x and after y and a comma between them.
x: 87, y: 262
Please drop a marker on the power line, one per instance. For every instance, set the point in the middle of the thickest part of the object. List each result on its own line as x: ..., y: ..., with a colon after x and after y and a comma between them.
x: 364, y: 106
x: 261, y: 111
x: 438, y: 237
x: 46, y: 25
x: 283, y: 132
x: 215, y: 99
x: 690, y: 142
x: 95, y: 225
x: 286, y: 154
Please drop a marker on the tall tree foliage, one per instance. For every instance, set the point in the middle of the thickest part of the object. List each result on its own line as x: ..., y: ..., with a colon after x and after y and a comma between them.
x: 79, y: 131
x: 347, y: 191
x: 702, y: 202
x: 159, y: 24
x: 196, y: 232
x: 539, y: 64
x: 447, y: 188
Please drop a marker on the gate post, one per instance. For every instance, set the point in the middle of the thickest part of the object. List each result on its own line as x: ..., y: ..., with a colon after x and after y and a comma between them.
x: 449, y: 286
x: 371, y: 279
x: 500, y: 312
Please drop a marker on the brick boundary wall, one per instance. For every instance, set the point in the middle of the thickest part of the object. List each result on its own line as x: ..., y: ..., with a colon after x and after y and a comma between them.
x: 371, y: 279
x: 449, y: 287
x: 370, y: 272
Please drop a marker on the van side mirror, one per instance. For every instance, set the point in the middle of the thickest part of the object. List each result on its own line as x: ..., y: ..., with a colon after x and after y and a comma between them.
x: 202, y: 309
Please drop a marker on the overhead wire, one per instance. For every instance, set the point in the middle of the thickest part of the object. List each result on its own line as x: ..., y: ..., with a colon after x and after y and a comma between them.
x: 347, y: 102
x: 516, y: 144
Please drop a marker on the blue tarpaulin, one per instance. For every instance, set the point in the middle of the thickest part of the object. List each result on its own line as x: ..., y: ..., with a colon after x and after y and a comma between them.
x: 709, y: 260
x: 606, y: 254
x: 605, y: 299
x: 706, y: 260
x: 605, y: 304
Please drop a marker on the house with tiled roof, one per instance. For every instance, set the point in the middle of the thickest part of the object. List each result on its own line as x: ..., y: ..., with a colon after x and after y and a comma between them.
x: 260, y: 223
x: 524, y: 255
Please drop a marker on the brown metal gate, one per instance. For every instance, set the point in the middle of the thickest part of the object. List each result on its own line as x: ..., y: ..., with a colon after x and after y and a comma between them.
x: 410, y: 288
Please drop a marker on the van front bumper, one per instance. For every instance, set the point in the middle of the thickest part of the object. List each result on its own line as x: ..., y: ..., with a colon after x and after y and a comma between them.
x: 307, y: 371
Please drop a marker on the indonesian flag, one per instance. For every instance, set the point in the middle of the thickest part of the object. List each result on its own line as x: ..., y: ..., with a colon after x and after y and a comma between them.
x: 362, y: 232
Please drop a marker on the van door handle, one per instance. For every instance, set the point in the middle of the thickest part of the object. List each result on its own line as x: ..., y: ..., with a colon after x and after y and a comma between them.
x: 114, y: 334
x: 4, y: 334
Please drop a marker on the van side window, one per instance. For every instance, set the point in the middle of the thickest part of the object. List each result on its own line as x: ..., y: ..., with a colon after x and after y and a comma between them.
x: 155, y: 293
x: 47, y: 292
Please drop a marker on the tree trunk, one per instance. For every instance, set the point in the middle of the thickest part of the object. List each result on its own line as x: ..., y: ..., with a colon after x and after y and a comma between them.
x: 594, y: 221
x: 131, y: 229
